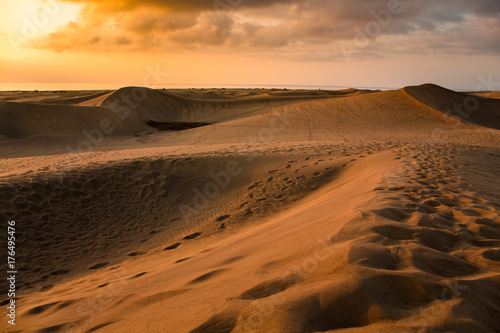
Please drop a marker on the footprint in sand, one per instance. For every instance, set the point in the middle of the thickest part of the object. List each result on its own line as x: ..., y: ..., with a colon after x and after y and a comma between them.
x: 138, y: 275
x: 232, y: 260
x: 172, y: 247
x: 493, y: 255
x: 41, y: 309
x: 98, y: 327
x: 183, y: 259
x: 207, y: 276
x: 193, y: 236
x: 268, y: 288
x: 222, y: 218
x: 99, y: 265
x: 136, y: 254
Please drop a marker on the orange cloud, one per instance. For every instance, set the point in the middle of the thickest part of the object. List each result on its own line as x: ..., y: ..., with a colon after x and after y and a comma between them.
x: 304, y: 30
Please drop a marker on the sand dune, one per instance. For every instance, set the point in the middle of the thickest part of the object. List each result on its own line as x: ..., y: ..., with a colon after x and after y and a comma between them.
x: 480, y: 111
x: 253, y: 210
x: 128, y: 111
x: 130, y: 117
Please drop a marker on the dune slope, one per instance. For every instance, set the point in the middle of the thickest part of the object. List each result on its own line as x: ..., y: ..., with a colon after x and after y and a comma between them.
x: 284, y: 211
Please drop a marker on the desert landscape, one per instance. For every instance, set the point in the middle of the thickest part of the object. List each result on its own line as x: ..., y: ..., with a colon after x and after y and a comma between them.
x: 252, y: 210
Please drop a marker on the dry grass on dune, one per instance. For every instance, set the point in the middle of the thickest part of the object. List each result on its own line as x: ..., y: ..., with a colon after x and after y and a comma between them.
x: 288, y: 211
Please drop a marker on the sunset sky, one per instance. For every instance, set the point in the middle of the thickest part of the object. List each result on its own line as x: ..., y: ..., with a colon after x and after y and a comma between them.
x: 361, y: 43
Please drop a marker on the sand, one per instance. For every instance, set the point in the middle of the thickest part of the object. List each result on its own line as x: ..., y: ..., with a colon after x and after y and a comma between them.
x: 261, y: 210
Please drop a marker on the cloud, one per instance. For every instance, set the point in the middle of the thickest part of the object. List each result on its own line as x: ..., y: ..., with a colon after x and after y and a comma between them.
x: 210, y: 29
x: 185, y: 5
x: 307, y: 29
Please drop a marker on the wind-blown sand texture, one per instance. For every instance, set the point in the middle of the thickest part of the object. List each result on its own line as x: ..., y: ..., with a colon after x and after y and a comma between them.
x: 143, y: 210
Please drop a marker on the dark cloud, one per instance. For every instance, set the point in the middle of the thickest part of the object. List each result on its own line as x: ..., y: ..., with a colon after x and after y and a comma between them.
x: 483, y: 7
x: 210, y: 29
x: 322, y: 28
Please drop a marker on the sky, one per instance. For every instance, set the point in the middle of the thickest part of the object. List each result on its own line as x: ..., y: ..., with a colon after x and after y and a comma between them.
x: 286, y: 43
